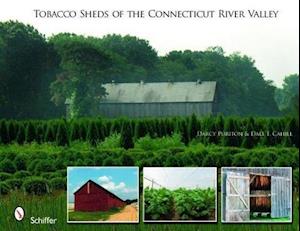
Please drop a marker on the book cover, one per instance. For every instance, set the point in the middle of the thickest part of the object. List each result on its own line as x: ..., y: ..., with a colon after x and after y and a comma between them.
x: 157, y: 115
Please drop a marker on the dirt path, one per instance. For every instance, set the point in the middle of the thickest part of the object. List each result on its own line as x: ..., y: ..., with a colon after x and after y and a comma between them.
x: 129, y: 213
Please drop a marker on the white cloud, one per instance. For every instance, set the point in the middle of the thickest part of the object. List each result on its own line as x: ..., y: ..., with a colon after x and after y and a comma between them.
x: 129, y: 190
x: 113, y: 186
x: 104, y: 179
x: 107, y: 183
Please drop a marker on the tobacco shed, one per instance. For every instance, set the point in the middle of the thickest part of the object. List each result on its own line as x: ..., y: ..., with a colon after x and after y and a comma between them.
x: 256, y: 194
x: 159, y: 99
x: 93, y: 197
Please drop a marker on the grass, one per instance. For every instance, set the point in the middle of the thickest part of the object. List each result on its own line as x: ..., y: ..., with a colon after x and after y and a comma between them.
x: 56, y: 207
x: 269, y: 219
x: 92, y: 216
x: 281, y: 219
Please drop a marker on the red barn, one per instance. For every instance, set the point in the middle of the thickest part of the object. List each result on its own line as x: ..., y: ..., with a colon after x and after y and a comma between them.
x: 93, y: 197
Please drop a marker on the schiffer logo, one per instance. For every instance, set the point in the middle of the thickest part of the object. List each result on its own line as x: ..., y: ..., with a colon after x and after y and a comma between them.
x: 19, y: 213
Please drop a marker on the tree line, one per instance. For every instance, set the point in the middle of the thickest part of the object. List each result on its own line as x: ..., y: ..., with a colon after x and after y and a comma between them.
x: 207, y: 130
x: 38, y: 74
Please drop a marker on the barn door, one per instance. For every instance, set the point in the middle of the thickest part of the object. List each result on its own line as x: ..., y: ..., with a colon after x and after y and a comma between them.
x: 280, y: 197
x: 237, y: 197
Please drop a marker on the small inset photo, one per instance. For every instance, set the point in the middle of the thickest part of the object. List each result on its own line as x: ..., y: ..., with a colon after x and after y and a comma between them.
x: 180, y: 194
x: 256, y: 195
x: 103, y: 195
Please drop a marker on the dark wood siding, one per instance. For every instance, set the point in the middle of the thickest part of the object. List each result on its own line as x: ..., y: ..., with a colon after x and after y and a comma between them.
x: 95, y: 199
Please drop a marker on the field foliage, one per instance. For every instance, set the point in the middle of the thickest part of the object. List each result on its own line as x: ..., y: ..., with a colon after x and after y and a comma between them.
x: 179, y: 204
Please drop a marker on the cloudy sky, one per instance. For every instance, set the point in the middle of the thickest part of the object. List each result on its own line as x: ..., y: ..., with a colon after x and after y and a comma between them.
x: 173, y: 178
x: 272, y: 42
x: 123, y: 182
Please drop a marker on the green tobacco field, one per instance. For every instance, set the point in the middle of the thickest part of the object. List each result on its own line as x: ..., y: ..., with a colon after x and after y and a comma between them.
x: 164, y: 204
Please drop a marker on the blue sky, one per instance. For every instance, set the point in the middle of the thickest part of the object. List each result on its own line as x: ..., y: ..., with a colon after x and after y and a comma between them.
x: 122, y: 182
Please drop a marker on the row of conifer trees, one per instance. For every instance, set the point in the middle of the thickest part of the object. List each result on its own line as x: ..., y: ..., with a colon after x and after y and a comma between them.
x: 207, y: 130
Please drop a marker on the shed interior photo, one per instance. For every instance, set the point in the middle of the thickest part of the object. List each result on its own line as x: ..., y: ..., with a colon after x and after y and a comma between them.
x: 260, y: 195
x: 256, y: 194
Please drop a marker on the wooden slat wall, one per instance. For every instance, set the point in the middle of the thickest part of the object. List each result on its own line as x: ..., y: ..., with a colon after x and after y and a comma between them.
x: 237, y: 204
x: 281, y: 197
